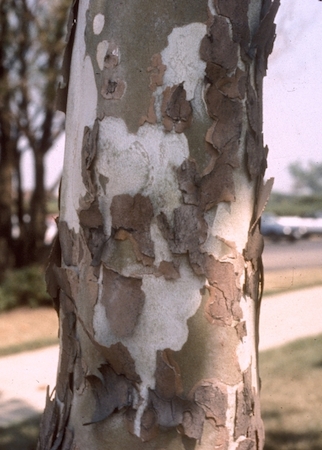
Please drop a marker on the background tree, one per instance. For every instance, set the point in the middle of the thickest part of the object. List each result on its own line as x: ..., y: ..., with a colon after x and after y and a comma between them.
x: 158, y: 266
x: 308, y: 179
x: 32, y: 37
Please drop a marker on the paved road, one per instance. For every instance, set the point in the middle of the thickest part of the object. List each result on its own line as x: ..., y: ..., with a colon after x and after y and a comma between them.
x: 299, y: 254
x: 24, y: 377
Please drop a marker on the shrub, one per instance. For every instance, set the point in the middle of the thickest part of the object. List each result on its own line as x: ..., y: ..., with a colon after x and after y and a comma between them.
x: 24, y: 287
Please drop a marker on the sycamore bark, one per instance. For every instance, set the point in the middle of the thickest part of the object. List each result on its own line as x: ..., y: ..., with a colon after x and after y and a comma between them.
x: 157, y: 270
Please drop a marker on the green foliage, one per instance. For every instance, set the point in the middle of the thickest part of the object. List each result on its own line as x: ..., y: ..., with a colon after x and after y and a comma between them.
x: 294, y: 205
x: 23, y: 287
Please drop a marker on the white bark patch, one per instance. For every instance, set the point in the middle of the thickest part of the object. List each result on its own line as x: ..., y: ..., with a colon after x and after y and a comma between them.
x: 247, y: 347
x: 231, y: 220
x: 98, y: 23
x: 139, y: 163
x: 161, y: 247
x: 162, y: 324
x: 101, y: 51
x: 211, y: 7
x: 81, y: 112
x: 182, y: 58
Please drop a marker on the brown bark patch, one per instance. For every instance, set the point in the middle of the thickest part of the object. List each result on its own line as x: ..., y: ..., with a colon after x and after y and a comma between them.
x: 121, y: 361
x: 189, y: 178
x: 167, y: 376
x: 113, y: 86
x: 91, y: 217
x: 123, y: 300
x: 111, y: 392
x: 246, y: 444
x: 150, y: 117
x: 169, y: 270
x: 212, y: 397
x: 244, y: 407
x: 253, y: 110
x: 256, y: 155
x: 218, y: 185
x: 176, y: 109
x: 241, y: 330
x: 149, y: 426
x: 156, y: 71
x: 237, y: 13
x: 134, y: 214
x: 232, y: 86
x: 68, y: 244
x: 217, y: 46
x: 48, y: 424
x: 227, y: 113
x: 217, y: 310
x: 89, y: 149
x: 263, y: 41
x: 253, y: 258
x: 184, y: 414
x: 223, y: 304
x: 189, y: 229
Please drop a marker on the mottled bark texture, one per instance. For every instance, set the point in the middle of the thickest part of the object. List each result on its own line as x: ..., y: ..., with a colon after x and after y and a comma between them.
x: 157, y: 271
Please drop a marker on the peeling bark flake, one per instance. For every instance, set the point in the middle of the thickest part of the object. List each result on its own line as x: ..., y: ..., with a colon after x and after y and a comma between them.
x: 244, y: 408
x: 113, y: 86
x: 50, y: 276
x: 176, y: 110
x: 134, y: 215
x: 149, y: 427
x: 263, y: 41
x: 212, y: 397
x: 218, y: 308
x: 156, y: 71
x: 237, y: 13
x: 123, y: 300
x: 167, y: 376
x: 48, y: 424
x: 232, y: 86
x: 256, y: 155
x: 217, y: 47
x: 112, y: 393
x: 190, y: 229
x: 223, y: 305
x: 169, y: 270
x: 62, y: 91
x: 189, y: 178
x: 228, y: 114
x: 246, y: 444
x: 120, y: 359
x: 241, y: 329
x: 91, y: 217
x: 68, y: 244
x: 253, y: 258
x: 218, y: 185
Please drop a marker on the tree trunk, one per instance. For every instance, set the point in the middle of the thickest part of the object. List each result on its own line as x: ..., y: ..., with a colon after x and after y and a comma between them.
x: 37, y: 227
x: 6, y: 200
x: 162, y: 191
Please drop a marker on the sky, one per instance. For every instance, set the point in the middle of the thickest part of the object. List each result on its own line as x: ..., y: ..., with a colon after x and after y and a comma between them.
x: 293, y: 91
x: 292, y: 97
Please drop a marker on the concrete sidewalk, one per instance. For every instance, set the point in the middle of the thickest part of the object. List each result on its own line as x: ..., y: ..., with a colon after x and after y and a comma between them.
x: 25, y: 376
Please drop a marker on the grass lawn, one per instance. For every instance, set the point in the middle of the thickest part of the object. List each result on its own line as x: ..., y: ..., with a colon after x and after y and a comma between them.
x: 20, y: 437
x: 291, y: 401
x: 291, y: 377
x: 291, y: 395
